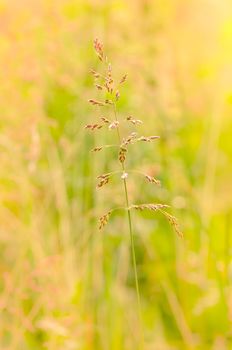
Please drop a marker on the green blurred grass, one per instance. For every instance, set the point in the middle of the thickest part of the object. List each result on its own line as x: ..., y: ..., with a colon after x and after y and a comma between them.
x: 64, y: 284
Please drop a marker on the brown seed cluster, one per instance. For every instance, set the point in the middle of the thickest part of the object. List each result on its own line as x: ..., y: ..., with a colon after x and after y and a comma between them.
x: 105, y: 120
x: 122, y: 155
x: 93, y: 126
x: 104, y: 179
x: 104, y: 219
x: 96, y: 149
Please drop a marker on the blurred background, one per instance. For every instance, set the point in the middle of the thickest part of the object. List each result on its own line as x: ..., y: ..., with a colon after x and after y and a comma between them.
x: 65, y: 285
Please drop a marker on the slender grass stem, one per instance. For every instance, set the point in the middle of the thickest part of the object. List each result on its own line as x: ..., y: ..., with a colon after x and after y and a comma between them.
x: 132, y: 241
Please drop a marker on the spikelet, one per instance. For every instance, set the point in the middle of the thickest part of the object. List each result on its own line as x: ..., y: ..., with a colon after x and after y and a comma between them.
x: 105, y: 120
x: 109, y: 71
x: 93, y: 126
x: 122, y: 154
x: 99, y: 87
x: 149, y: 206
x: 103, y: 181
x: 109, y: 102
x: 96, y: 149
x: 130, y: 139
x: 99, y: 49
x: 114, y: 124
x: 108, y: 89
x: 95, y: 103
x: 160, y: 207
x: 123, y: 79
x: 95, y: 74
x: 134, y: 121
x: 152, y: 179
x: 103, y: 220
x: 173, y: 222
x: 147, y: 138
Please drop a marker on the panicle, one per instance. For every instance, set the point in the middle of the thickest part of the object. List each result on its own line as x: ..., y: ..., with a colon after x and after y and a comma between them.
x: 106, y: 83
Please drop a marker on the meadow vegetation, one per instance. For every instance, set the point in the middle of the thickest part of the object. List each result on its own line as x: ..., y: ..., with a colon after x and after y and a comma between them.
x: 65, y: 284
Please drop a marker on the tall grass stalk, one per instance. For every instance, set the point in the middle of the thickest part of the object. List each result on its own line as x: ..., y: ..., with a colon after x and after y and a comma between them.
x: 131, y: 239
x: 106, y: 84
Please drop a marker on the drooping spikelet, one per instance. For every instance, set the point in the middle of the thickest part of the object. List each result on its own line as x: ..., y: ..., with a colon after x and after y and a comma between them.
x: 103, y: 220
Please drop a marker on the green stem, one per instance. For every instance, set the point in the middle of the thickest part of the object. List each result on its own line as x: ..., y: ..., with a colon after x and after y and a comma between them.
x: 132, y: 241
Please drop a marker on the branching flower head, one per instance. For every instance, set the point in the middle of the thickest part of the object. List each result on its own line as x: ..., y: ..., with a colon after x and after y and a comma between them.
x: 110, y: 90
